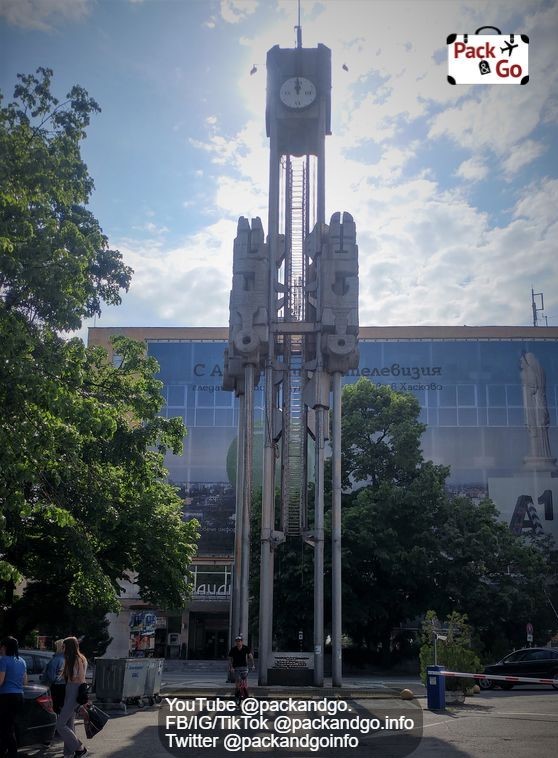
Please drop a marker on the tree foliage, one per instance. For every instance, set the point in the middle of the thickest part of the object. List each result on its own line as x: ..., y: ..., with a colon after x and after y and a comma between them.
x: 83, y: 497
x: 380, y: 435
x: 56, y: 267
x: 409, y: 546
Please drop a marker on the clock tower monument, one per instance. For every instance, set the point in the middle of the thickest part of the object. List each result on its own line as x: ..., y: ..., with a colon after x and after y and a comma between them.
x: 294, y: 317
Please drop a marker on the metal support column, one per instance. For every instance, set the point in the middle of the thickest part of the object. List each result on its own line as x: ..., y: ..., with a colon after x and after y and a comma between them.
x: 268, y: 483
x: 266, y: 555
x: 319, y: 551
x: 247, y: 500
x: 336, y: 627
x: 239, y: 512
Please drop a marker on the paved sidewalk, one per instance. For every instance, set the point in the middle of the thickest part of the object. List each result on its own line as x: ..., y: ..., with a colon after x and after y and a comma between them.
x: 498, y: 724
x: 209, y: 679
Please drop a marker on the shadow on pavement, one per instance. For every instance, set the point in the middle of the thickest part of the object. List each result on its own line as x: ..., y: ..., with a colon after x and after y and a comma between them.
x: 457, y: 710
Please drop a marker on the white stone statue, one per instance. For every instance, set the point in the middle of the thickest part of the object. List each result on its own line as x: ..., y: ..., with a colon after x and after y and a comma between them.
x: 536, y: 413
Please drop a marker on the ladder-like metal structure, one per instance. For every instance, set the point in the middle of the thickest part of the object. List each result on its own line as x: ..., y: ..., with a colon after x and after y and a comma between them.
x: 297, y: 203
x: 295, y: 448
x: 294, y: 463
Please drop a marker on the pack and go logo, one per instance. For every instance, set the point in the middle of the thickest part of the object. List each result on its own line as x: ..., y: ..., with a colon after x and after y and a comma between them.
x: 488, y: 58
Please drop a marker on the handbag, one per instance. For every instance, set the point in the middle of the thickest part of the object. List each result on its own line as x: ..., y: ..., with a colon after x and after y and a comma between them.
x: 94, y: 719
x: 82, y: 694
x: 58, y: 695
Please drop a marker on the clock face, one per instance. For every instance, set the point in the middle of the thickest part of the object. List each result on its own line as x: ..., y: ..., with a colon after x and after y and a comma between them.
x: 297, y: 92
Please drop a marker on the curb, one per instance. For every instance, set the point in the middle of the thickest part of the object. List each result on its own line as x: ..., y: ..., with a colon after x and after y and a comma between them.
x: 307, y: 693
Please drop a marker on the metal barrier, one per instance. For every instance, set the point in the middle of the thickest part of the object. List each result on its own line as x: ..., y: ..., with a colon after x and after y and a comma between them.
x: 436, y: 685
x: 497, y: 678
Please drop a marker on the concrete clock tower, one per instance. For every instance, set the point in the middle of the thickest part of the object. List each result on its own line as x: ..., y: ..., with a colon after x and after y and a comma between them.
x: 294, y: 317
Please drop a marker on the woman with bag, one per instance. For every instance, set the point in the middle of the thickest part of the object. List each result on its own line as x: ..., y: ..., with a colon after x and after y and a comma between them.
x: 75, y: 667
x: 54, y: 678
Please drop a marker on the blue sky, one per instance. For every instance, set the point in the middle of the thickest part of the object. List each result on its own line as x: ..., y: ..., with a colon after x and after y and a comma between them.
x: 454, y: 190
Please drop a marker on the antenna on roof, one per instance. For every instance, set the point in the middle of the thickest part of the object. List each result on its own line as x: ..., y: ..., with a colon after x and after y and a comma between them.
x: 536, y: 307
x: 298, y: 28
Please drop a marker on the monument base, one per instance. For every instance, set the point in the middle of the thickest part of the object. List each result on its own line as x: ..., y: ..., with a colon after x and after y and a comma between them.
x: 291, y: 669
x: 290, y: 677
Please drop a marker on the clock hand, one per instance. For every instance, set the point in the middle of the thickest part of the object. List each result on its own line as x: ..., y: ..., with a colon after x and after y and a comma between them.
x: 297, y: 86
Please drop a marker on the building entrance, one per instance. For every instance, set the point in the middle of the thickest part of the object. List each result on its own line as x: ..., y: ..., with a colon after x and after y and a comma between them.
x: 208, y: 638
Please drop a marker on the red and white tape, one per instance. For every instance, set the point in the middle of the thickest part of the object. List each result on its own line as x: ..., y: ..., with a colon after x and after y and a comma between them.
x: 495, y: 678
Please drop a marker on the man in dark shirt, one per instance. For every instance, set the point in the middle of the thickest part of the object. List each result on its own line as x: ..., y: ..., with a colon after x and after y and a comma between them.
x: 239, y: 657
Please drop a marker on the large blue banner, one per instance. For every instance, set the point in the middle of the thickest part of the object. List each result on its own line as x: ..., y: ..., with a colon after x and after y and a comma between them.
x: 490, y: 408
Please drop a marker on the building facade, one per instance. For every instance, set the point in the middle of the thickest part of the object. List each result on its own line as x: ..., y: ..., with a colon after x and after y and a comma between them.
x: 488, y: 397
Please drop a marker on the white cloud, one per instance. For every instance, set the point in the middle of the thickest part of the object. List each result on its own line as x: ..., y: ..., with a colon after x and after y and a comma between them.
x: 152, y: 228
x: 490, y: 120
x: 186, y: 284
x: 538, y: 205
x: 524, y: 153
x: 473, y: 170
x: 246, y: 155
x: 233, y: 11
x: 434, y: 259
x: 43, y: 15
x: 240, y: 198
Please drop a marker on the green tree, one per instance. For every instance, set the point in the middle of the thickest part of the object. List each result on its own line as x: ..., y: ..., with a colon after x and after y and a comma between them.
x: 497, y: 579
x: 408, y: 545
x: 56, y: 267
x: 389, y: 555
x: 83, y: 497
x: 380, y: 435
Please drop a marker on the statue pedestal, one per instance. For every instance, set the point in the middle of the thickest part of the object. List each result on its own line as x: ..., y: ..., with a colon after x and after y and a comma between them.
x: 291, y: 669
x: 528, y: 501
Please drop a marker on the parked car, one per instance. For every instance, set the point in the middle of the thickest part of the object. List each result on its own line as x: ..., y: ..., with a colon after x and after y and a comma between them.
x: 36, y: 662
x: 36, y: 722
x: 537, y: 662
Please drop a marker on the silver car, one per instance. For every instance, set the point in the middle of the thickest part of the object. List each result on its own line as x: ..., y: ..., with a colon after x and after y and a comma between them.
x: 36, y: 662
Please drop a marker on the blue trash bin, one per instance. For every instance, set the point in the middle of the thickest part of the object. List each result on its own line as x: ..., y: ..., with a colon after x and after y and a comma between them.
x: 435, y: 689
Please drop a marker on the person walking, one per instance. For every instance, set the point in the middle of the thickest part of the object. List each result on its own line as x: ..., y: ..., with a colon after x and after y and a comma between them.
x: 13, y: 676
x: 239, y: 658
x: 75, y: 668
x: 54, y: 677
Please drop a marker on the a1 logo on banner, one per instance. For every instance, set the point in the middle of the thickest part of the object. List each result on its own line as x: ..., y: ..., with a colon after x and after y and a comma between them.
x: 488, y: 58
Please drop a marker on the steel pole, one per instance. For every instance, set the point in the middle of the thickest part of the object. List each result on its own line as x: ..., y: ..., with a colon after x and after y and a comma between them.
x: 336, y: 622
x: 239, y: 511
x: 247, y: 500
x: 268, y: 483
x: 266, y: 547
x: 319, y: 551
